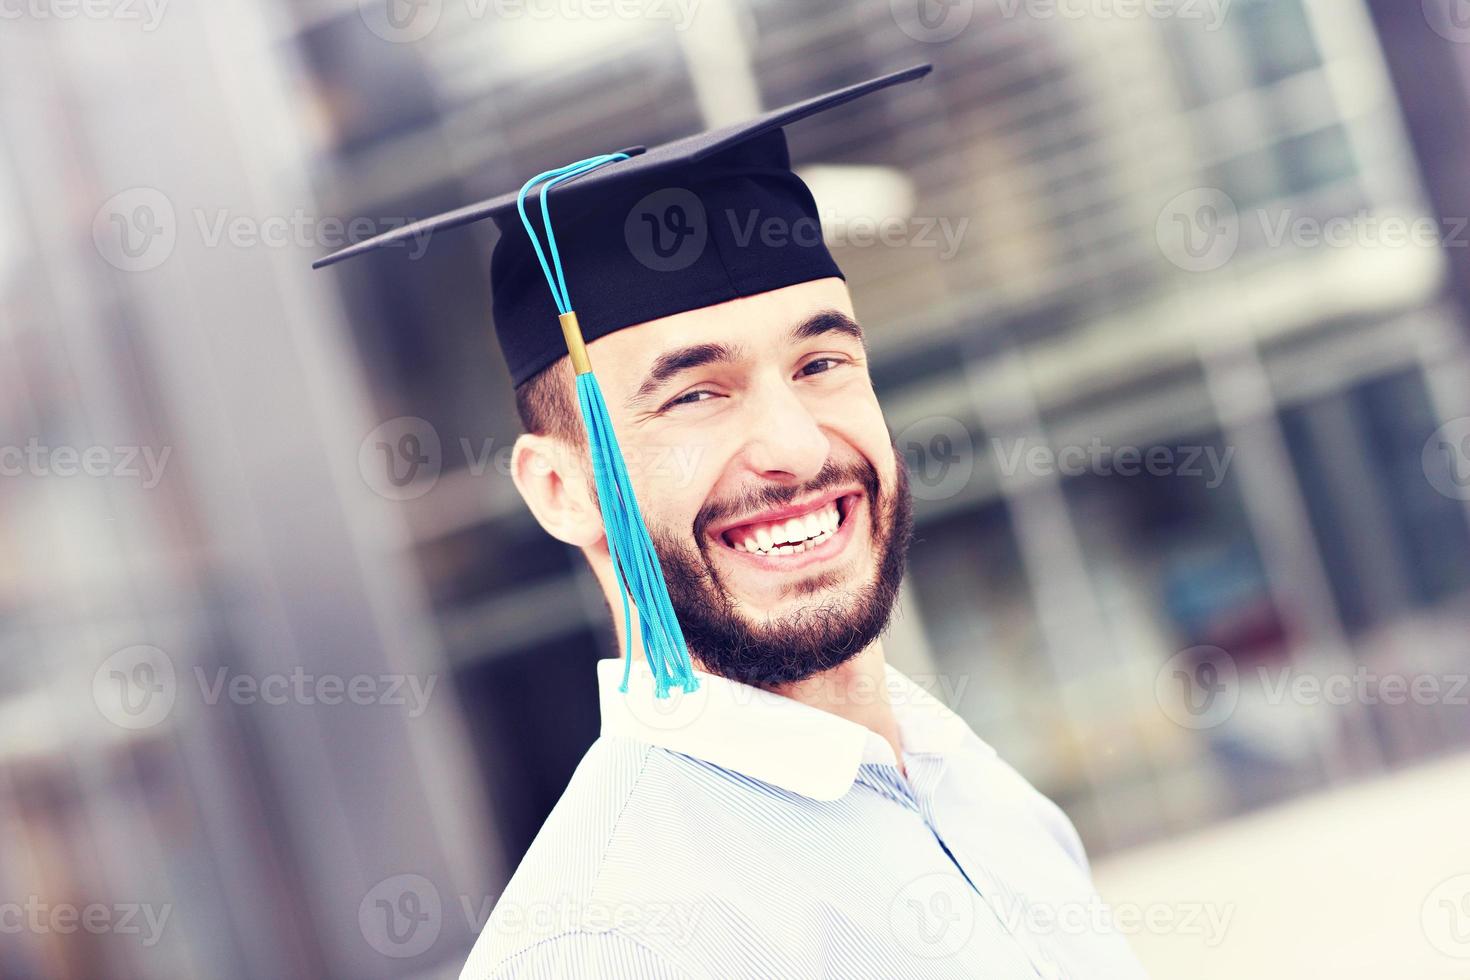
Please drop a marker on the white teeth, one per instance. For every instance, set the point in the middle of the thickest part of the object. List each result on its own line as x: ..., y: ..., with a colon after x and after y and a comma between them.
x: 793, y: 536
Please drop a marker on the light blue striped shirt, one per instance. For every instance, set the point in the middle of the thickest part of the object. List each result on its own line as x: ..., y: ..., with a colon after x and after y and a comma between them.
x: 734, y: 833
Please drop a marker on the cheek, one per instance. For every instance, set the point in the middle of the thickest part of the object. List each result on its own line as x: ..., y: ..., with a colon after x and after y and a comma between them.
x: 673, y: 477
x: 859, y: 422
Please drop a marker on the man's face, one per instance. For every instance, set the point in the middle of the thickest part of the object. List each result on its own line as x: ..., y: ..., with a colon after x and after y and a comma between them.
x: 766, y: 475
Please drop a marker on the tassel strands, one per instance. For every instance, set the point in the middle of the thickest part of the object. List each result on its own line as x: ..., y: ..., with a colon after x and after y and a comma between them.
x: 636, y: 566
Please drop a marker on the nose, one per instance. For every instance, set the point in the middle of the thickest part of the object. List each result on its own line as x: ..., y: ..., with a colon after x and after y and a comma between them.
x: 786, y: 442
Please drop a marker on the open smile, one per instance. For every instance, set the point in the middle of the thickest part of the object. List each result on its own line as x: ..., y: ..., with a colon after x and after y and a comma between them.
x: 794, y: 536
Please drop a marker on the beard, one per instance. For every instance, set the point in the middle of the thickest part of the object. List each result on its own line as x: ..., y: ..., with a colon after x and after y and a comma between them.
x: 834, y: 628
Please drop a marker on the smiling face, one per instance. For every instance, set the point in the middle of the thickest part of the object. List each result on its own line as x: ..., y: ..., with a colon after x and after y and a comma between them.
x: 766, y: 475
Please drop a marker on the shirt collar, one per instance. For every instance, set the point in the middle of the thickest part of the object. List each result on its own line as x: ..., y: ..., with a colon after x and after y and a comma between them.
x: 770, y: 737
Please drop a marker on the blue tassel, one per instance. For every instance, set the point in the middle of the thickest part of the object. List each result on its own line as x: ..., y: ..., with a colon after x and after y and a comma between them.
x: 635, y: 562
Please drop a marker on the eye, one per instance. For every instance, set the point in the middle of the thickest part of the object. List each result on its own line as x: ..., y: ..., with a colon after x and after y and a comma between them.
x: 819, y: 365
x: 688, y: 398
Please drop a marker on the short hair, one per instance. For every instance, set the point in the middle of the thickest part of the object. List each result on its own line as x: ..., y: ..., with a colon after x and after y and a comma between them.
x: 547, y: 403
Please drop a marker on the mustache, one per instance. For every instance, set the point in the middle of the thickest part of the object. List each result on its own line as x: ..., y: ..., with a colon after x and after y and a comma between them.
x: 832, y: 475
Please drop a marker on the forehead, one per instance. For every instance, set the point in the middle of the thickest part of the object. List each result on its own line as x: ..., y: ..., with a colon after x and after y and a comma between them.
x: 752, y: 322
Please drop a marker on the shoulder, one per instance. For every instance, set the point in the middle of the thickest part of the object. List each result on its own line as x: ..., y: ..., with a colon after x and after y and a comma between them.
x: 579, y: 954
x: 587, y: 887
x: 1026, y: 801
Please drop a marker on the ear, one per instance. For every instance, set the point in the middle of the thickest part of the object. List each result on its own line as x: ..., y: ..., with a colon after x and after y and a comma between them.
x: 551, y: 477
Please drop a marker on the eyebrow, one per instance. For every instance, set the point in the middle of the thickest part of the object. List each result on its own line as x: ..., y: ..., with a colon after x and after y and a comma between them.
x: 671, y: 363
x: 680, y: 359
x: 824, y: 322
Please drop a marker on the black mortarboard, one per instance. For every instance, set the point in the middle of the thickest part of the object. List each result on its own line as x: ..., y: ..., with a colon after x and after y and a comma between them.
x: 645, y: 234
x: 672, y: 228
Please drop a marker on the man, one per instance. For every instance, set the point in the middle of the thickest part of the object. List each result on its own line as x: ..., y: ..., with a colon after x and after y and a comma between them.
x: 805, y: 810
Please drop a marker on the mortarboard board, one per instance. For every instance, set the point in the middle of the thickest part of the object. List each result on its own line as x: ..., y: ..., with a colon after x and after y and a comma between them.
x: 646, y: 233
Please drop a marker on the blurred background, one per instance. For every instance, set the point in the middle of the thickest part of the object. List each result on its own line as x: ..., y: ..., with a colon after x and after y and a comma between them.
x: 1167, y: 302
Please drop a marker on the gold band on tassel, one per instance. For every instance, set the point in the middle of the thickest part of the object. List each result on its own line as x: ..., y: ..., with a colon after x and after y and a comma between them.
x: 576, y: 347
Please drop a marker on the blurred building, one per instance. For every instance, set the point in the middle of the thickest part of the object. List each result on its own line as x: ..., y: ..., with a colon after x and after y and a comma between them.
x: 1120, y: 240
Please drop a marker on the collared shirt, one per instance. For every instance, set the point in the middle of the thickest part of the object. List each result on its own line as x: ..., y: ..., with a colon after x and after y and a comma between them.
x: 734, y: 833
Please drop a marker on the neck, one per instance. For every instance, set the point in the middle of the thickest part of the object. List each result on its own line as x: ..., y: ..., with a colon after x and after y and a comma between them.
x: 857, y: 691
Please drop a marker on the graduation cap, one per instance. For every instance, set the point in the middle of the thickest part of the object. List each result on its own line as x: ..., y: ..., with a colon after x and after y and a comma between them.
x: 645, y: 233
